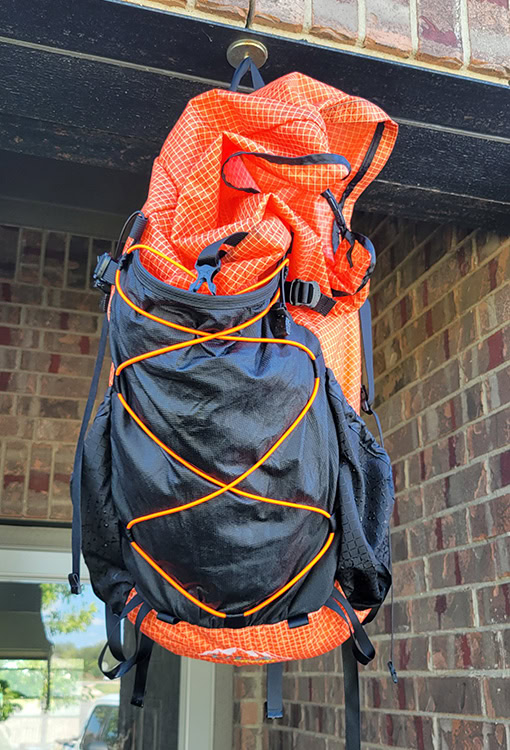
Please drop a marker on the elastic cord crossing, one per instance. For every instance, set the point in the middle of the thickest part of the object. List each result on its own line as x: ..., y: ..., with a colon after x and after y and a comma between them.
x: 223, y: 487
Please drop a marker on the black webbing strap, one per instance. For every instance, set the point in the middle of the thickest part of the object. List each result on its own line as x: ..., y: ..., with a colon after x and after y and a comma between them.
x: 74, y: 577
x: 365, y: 319
x: 274, y: 705
x: 143, y: 648
x: 114, y: 643
x: 367, y: 396
x: 351, y: 696
x: 246, y: 65
x: 368, y: 393
x: 362, y: 647
x: 295, y: 161
x: 142, y: 668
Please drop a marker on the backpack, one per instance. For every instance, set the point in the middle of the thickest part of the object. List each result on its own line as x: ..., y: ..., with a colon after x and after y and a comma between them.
x: 228, y: 499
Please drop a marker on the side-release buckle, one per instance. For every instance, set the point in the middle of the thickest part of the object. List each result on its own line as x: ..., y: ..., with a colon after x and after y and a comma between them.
x: 104, y: 273
x: 299, y: 292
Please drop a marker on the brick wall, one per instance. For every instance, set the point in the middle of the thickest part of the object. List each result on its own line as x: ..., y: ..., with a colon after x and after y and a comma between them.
x: 463, y: 35
x: 441, y: 300
x: 48, y: 339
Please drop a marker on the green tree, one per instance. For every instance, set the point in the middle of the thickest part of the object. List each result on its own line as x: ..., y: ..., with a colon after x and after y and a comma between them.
x: 7, y: 698
x: 55, y: 596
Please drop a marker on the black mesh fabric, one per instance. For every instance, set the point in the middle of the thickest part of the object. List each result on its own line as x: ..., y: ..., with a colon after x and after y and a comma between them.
x: 221, y: 405
x: 365, y: 505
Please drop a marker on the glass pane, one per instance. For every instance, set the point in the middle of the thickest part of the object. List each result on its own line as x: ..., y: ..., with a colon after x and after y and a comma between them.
x: 52, y: 693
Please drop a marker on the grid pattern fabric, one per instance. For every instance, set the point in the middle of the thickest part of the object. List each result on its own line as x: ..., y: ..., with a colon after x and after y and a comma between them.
x: 189, y: 206
x: 259, y: 644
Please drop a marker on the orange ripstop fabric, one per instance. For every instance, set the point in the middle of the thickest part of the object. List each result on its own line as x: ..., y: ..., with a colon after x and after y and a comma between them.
x: 189, y: 206
x: 260, y: 644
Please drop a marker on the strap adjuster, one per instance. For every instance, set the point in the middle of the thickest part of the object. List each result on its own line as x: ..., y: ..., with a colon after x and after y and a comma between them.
x: 364, y: 402
x: 104, y: 273
x: 301, y: 292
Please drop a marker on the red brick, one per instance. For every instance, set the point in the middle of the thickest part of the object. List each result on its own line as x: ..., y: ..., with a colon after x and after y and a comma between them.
x: 461, y: 734
x: 489, y: 32
x: 45, y: 318
x: 403, y: 374
x: 408, y: 506
x: 466, y: 651
x: 68, y: 299
x: 490, y: 518
x: 22, y: 294
x: 15, y: 426
x: 450, y: 695
x: 442, y: 612
x: 436, y: 534
x: 488, y: 434
x: 409, y: 578
x: 335, y: 19
x: 56, y: 364
x: 497, y: 388
x: 70, y: 343
x: 8, y: 358
x: 57, y: 430
x: 381, y: 692
x: 54, y: 259
x: 497, y: 697
x: 8, y: 251
x: 488, y: 243
x: 500, y: 470
x: 399, y: 546
x: 249, y: 712
x: 439, y: 32
x: 18, y: 382
x: 494, y: 604
x: 78, y: 258
x: 472, y: 402
x: 460, y: 567
x: 281, y: 14
x: 9, y: 313
x: 61, y: 511
x: 70, y: 387
x: 237, y: 11
x: 494, y: 310
x: 30, y: 256
x: 437, y: 422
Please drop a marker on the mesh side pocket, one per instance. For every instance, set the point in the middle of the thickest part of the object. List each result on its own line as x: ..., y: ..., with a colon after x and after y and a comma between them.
x: 101, y: 533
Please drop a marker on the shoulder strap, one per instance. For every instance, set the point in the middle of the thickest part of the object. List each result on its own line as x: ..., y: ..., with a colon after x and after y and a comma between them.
x: 103, y: 277
x: 74, y: 576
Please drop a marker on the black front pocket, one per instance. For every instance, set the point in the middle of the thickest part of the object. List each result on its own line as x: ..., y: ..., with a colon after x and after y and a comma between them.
x: 190, y: 418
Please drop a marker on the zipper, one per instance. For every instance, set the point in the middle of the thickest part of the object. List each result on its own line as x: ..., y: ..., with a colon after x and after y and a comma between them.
x: 365, y: 164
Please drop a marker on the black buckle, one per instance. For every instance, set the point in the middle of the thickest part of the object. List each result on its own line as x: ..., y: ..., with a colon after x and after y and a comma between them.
x: 305, y: 293
x: 206, y: 275
x: 365, y: 403
x: 104, y: 273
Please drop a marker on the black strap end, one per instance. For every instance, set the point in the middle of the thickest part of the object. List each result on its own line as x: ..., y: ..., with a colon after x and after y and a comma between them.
x: 74, y: 583
x: 393, y: 672
x: 273, y: 713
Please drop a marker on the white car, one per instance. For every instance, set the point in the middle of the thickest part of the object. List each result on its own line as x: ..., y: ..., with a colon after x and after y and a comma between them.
x: 101, y: 728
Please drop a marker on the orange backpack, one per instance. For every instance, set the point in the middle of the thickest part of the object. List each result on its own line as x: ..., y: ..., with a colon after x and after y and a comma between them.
x: 247, y: 505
